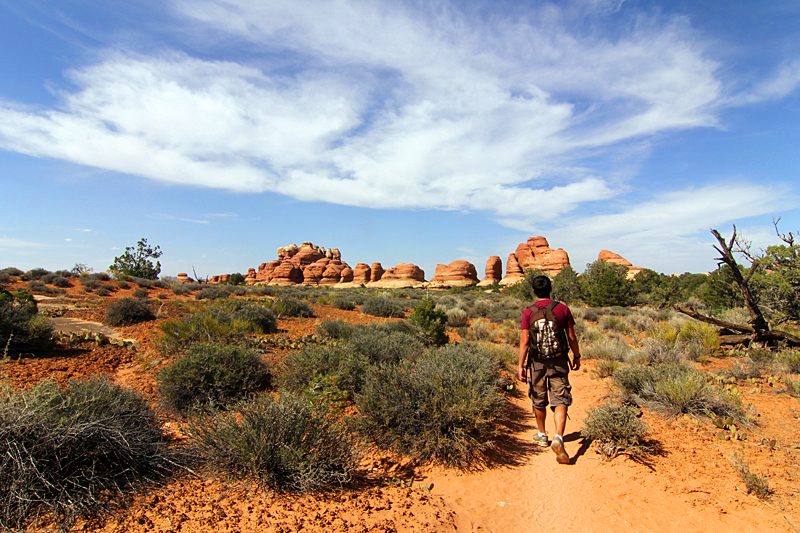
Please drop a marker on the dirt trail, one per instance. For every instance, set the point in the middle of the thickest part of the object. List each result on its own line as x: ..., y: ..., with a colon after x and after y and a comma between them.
x: 537, y: 494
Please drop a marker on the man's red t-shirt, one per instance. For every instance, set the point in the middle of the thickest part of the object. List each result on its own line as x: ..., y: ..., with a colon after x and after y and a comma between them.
x: 561, y: 312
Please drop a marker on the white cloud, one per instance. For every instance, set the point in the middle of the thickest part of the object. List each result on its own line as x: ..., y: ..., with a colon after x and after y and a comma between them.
x: 382, y: 106
x: 10, y: 243
x: 68, y: 239
x: 83, y: 230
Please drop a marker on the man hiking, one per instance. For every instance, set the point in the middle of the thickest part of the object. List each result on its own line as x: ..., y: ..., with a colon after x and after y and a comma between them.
x: 548, y: 332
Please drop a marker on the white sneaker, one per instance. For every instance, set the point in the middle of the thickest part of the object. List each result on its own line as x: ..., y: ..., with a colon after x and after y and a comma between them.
x: 558, y: 448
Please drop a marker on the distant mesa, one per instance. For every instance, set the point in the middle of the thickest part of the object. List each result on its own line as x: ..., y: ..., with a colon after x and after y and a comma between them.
x: 309, y: 264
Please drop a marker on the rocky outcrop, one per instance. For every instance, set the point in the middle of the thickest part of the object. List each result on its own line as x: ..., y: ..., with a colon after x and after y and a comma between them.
x: 535, y: 254
x: 376, y: 272
x: 362, y: 273
x: 402, y: 276
x: 494, y: 271
x: 333, y: 272
x: 183, y: 277
x: 456, y: 274
x: 611, y: 257
x: 286, y: 273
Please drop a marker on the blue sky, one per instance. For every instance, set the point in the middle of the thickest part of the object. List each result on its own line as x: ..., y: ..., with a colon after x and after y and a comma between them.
x: 419, y: 132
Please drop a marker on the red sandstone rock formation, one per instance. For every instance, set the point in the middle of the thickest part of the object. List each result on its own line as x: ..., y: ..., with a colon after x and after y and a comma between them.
x: 333, y: 272
x: 611, y: 257
x: 535, y: 254
x: 286, y: 273
x: 401, y: 276
x: 376, y: 272
x: 346, y: 275
x: 362, y: 273
x: 456, y: 274
x: 494, y: 271
x: 312, y: 274
x: 183, y: 277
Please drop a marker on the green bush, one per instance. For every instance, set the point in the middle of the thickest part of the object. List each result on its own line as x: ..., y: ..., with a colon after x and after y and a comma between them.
x: 61, y: 281
x: 221, y: 322
x: 440, y: 407
x: 615, y: 428
x: 22, y: 329
x: 480, y: 330
x: 236, y: 279
x: 289, y: 307
x: 607, y: 284
x: 334, y: 329
x: 431, y: 323
x: 676, y: 388
x: 285, y: 444
x: 605, y: 368
x: 610, y: 348
x: 341, y: 365
x: 614, y: 323
x: 211, y: 375
x: 37, y: 273
x: 181, y: 289
x: 75, y: 451
x: 383, y: 306
x: 790, y: 359
x: 128, y: 311
x: 344, y: 303
x: 457, y: 318
x: 384, y: 345
x: 212, y: 292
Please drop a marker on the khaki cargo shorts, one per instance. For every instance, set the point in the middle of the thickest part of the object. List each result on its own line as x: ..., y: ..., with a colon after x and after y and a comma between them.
x: 549, y: 384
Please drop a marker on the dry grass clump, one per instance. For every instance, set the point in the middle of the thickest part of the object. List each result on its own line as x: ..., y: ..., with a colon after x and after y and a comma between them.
x: 457, y: 317
x: 615, y: 324
x: 440, y: 407
x: 615, y: 428
x: 76, y: 451
x: 609, y: 348
x: 480, y: 330
x: 756, y: 484
x: 284, y: 443
x: 790, y: 359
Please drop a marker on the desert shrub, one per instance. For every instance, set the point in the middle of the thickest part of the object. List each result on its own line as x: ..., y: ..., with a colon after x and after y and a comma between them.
x: 341, y: 365
x: 61, y: 281
x: 122, y: 284
x: 381, y: 345
x: 90, y: 283
x: 482, y: 307
x: 699, y: 333
x: 343, y: 302
x: 128, y: 311
x: 286, y: 307
x: 12, y: 271
x: 212, y: 292
x: 480, y: 330
x: 236, y: 279
x: 510, y: 332
x: 37, y: 273
x: 4, y: 278
x: 605, y: 368
x: 142, y: 282
x: 137, y: 263
x: 102, y: 291
x: 610, y: 348
x: 586, y: 313
x: 586, y: 333
x: 736, y: 315
x: 211, y: 375
x: 676, y: 388
x: 383, y: 306
x: 439, y: 407
x: 220, y: 322
x: 790, y: 359
x: 614, y: 323
x: 457, y: 317
x: 181, y: 289
x: 615, y: 428
x: 334, y: 329
x: 22, y: 329
x: 756, y: 484
x: 75, y: 451
x: 430, y: 322
x: 654, y: 350
x: 639, y: 321
x: 285, y: 443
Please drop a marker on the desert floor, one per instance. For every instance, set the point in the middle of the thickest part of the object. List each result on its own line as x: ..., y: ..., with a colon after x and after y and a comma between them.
x: 690, y: 485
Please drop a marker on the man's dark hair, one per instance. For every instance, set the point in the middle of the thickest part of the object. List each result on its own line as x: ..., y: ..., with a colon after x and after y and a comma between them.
x: 542, y: 286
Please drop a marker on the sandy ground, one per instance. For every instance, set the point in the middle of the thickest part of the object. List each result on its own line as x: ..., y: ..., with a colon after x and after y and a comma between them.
x: 690, y: 486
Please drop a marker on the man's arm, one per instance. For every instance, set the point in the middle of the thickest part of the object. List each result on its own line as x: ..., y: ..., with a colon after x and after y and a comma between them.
x: 523, y: 354
x: 573, y: 345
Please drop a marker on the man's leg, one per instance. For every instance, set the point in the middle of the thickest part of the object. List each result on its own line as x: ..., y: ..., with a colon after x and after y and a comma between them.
x: 541, y: 418
x: 560, y: 415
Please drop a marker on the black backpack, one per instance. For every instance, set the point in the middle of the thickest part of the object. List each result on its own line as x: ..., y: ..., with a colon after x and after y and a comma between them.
x: 547, y: 339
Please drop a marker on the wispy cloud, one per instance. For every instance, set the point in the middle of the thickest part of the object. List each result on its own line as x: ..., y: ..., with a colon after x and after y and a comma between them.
x: 10, y: 243
x: 83, y: 230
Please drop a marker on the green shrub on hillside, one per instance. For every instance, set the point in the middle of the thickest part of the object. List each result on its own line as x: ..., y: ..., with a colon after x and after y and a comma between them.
x: 128, y: 311
x: 285, y: 443
x: 383, y: 306
x: 439, y: 407
x: 211, y: 375
x: 292, y: 307
x: 22, y: 328
x: 431, y: 323
x: 75, y: 451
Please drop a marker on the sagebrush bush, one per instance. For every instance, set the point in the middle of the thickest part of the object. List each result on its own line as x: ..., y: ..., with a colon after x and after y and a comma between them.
x: 37, y: 273
x: 334, y: 329
x: 382, y: 345
x: 614, y: 323
x: 75, y: 451
x: 440, y: 407
x: 610, y: 348
x: 212, y: 292
x: 605, y: 368
x: 344, y: 303
x: 675, y: 388
x: 62, y: 282
x: 383, y: 306
x: 22, y: 328
x: 284, y: 444
x: 211, y: 376
x: 122, y: 284
x: 128, y: 311
x: 181, y: 289
x: 457, y: 317
x: 615, y: 428
x: 790, y: 359
x: 481, y: 330
x: 227, y: 321
x: 344, y: 366
x: 292, y: 307
x: 102, y: 291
